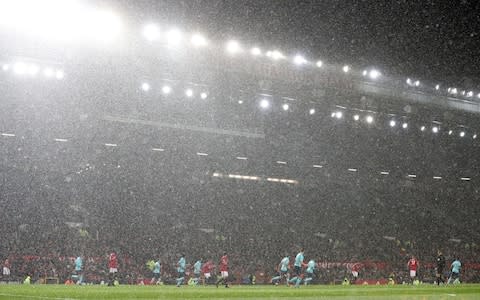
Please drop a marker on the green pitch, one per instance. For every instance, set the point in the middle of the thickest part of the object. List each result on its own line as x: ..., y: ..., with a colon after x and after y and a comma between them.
x: 59, y: 292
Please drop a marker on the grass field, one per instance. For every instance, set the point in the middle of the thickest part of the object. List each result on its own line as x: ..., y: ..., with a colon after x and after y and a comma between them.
x: 16, y: 292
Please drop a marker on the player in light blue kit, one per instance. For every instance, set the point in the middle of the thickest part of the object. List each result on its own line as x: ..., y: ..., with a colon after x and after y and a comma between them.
x: 181, y: 264
x: 79, y: 270
x: 197, y: 268
x: 157, y: 270
x: 455, y: 274
x: 282, y: 271
x: 310, y: 271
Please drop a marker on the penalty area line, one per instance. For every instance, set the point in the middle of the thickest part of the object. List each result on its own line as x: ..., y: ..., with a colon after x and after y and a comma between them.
x: 34, y: 297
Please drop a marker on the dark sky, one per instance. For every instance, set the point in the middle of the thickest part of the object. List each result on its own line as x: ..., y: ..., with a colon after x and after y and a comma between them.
x: 437, y: 40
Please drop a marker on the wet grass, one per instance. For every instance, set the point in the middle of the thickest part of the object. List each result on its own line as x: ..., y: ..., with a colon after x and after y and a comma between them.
x: 424, y: 292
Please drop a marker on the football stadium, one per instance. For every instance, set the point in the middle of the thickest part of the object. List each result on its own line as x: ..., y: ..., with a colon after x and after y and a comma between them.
x: 146, y: 159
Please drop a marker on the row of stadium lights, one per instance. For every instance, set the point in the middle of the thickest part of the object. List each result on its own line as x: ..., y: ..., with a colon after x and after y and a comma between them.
x: 166, y: 90
x: 174, y: 37
x: 32, y: 70
x: 244, y: 158
x: 265, y: 104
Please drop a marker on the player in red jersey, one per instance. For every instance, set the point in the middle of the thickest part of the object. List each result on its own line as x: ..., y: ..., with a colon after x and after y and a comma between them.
x: 6, y: 270
x: 113, y: 268
x: 413, y: 267
x: 207, y: 270
x: 355, y: 269
x: 223, y: 270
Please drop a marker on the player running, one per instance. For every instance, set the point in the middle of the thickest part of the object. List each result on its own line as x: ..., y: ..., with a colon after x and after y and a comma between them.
x: 157, y: 270
x: 207, y: 270
x: 311, y: 265
x: 6, y: 270
x: 223, y: 270
x: 282, y: 271
x: 440, y: 267
x: 413, y: 267
x: 355, y: 270
x: 181, y: 264
x: 112, y: 268
x: 455, y: 274
x: 197, y: 268
x: 298, y: 264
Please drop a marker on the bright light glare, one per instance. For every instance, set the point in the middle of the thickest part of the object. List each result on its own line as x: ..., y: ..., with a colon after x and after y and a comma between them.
x: 422, y: 128
x: 173, y: 37
x: 203, y: 95
x: 240, y: 101
x: 33, y: 69
x: 151, y: 32
x: 365, y: 72
x: 374, y: 74
x: 19, y: 68
x: 474, y: 136
x: 48, y: 72
x: 346, y: 69
x: 199, y: 40
x: 233, y: 47
x: 369, y: 119
x: 434, y: 129
x: 470, y: 94
x: 450, y: 132
x: 417, y: 83
x: 356, y: 117
x: 166, y: 89
x: 319, y: 63
x: 437, y: 87
x: 311, y: 111
x: 276, y: 55
x: 338, y: 115
x: 285, y: 106
x: 393, y: 123
x: 256, y: 51
x: 145, y: 87
x: 189, y: 93
x: 405, y: 125
x: 5, y: 67
x: 409, y: 81
x: 299, y: 60
x: 59, y: 20
x: 264, y: 103
x: 59, y: 74
x: 454, y: 91
x: 462, y: 133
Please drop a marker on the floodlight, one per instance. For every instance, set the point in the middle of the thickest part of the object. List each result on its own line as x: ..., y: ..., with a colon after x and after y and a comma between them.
x: 356, y: 117
x: 405, y: 125
x: 338, y: 115
x: 151, y: 32
x: 145, y: 87
x: 434, y: 129
x: 299, y: 60
x: 189, y: 93
x: 285, y: 106
x: 346, y: 69
x: 203, y: 95
x: 256, y: 51
x: 198, y: 40
x: 393, y: 123
x: 374, y: 74
x: 173, y: 37
x: 462, y: 133
x: 369, y: 119
x: 233, y: 47
x: 264, y: 103
x: 319, y: 63
x: 166, y: 89
x: 311, y: 111
x: 59, y: 74
x: 33, y: 69
x: 19, y: 68
x: 48, y: 72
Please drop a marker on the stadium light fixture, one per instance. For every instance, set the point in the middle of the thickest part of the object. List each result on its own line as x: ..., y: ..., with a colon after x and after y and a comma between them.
x: 374, y: 74
x: 198, y: 40
x: 285, y: 107
x: 462, y: 133
x: 393, y: 123
x: 338, y: 114
x: 240, y: 101
x: 48, y: 72
x: 422, y: 128
x: 450, y: 132
x: 435, y: 129
x: 454, y: 91
x: 264, y: 103
x: 311, y: 111
x: 299, y: 60
x: 319, y: 63
x: 255, y: 51
x: 145, y: 87
x: 369, y: 119
x: 463, y: 93
x: 189, y: 93
x: 437, y: 87
x: 333, y: 114
x: 474, y: 136
x: 59, y: 74
x: 365, y: 73
x: 5, y: 67
x: 33, y: 69
x: 405, y: 125
x: 409, y: 81
x: 19, y: 68
x: 470, y: 94
x: 203, y: 95
x: 166, y: 89
x: 151, y: 32
x: 276, y: 55
x: 478, y: 96
x: 417, y: 83
x: 233, y: 47
x: 356, y: 117
x: 173, y: 37
x: 346, y: 69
